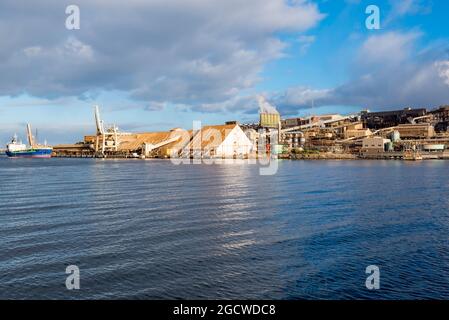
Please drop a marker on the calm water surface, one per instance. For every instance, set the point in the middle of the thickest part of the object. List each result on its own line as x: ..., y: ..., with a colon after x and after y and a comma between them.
x: 150, y: 229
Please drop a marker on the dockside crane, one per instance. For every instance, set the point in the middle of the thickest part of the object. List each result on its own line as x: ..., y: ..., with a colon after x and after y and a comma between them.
x: 108, y: 138
x: 30, y: 135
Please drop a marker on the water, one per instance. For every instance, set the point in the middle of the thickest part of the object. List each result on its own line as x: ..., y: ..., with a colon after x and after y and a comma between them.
x: 153, y: 230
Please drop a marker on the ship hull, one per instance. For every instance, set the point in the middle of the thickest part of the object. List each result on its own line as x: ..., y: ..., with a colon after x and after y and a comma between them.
x: 31, y: 153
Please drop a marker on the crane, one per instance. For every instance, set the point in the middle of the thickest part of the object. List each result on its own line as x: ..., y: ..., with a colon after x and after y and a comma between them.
x: 109, y: 137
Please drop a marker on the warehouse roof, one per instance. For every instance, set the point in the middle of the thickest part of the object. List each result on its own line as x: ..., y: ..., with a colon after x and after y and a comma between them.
x: 211, y: 136
x: 135, y: 141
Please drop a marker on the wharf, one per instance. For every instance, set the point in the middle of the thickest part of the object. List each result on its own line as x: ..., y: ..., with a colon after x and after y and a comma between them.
x: 401, y: 156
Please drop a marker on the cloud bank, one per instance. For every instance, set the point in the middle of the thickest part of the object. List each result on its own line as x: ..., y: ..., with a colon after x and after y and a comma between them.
x: 388, y: 72
x: 204, y: 55
x: 181, y: 51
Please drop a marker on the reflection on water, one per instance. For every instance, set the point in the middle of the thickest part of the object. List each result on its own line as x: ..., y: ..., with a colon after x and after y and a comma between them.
x: 151, y: 229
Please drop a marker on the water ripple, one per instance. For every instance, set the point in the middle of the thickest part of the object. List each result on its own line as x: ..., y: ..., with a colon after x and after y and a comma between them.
x: 150, y: 229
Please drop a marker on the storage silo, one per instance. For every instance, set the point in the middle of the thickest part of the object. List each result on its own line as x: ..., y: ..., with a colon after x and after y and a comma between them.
x: 269, y: 116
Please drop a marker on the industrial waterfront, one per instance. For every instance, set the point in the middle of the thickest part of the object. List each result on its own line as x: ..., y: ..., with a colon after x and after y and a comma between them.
x: 406, y: 134
x: 224, y: 158
x: 149, y: 229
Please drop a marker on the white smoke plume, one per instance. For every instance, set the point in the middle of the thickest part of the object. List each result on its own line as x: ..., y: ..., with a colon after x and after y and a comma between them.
x: 265, y: 106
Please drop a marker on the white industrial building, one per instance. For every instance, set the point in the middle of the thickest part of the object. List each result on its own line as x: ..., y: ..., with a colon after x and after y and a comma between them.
x: 221, y: 141
x: 374, y: 144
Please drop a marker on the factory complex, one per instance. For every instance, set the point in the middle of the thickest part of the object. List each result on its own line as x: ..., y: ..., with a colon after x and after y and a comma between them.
x: 407, y: 134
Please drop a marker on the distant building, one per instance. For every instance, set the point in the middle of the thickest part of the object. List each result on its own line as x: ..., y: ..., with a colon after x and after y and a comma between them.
x: 442, y: 112
x: 385, y: 119
x: 221, y: 141
x: 313, y: 120
x: 416, y: 131
x: 355, y: 126
x: 357, y: 133
x: 269, y: 116
x: 373, y: 145
x: 253, y: 136
x: 294, y: 122
x: 327, y: 117
x: 269, y: 120
x: 291, y: 122
x: 441, y: 116
x: 135, y: 141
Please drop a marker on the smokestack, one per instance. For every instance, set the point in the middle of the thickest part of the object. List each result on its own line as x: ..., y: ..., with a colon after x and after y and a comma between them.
x: 265, y: 106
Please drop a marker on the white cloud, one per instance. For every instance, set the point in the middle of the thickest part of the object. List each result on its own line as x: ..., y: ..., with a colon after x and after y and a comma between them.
x: 388, y: 73
x: 305, y: 42
x: 388, y: 48
x: 181, y: 51
x: 443, y: 70
x: 32, y: 51
x: 401, y: 8
x: 245, y: 104
x: 296, y: 98
x: 76, y: 49
x: 155, y: 106
x: 404, y: 7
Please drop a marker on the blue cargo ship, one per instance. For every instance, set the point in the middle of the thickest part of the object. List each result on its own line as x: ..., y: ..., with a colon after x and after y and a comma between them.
x: 16, y: 149
x: 31, y: 153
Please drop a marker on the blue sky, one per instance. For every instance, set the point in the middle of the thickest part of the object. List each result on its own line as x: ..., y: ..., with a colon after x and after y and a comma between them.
x: 157, y: 64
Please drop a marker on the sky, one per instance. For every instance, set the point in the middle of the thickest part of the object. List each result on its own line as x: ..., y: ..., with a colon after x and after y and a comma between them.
x: 158, y: 64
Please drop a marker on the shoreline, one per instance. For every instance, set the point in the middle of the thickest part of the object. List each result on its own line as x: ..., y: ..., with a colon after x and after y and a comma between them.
x: 293, y: 157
